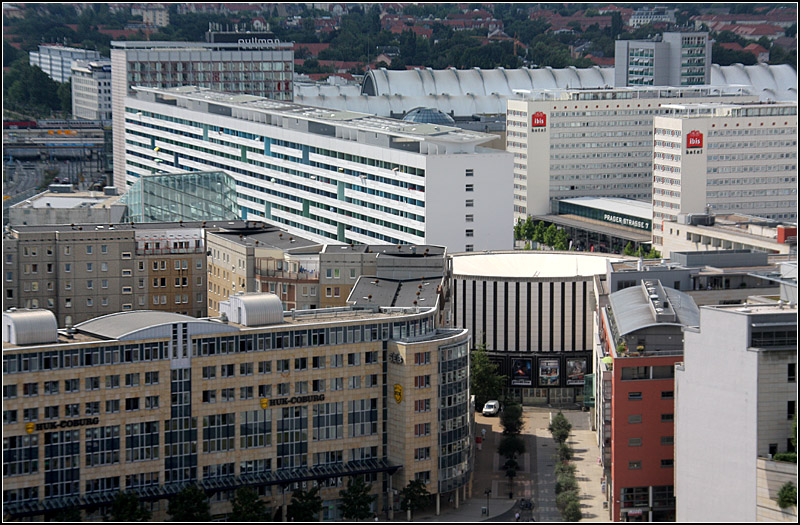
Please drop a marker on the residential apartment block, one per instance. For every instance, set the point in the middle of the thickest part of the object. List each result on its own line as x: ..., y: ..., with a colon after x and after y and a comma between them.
x: 671, y: 59
x: 83, y: 271
x: 731, y: 158
x: 56, y: 60
x: 599, y: 142
x: 738, y: 372
x: 641, y: 340
x: 328, y: 175
x: 91, y: 90
x: 255, y: 64
x: 151, y: 402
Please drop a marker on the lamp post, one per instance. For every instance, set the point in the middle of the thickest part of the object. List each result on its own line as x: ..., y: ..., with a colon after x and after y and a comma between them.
x: 487, y: 492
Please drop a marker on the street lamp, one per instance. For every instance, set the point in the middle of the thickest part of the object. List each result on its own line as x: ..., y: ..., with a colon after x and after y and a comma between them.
x: 487, y: 492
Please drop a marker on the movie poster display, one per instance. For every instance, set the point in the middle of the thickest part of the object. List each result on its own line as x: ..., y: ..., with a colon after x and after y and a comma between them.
x: 549, y: 370
x: 522, y: 372
x: 576, y: 371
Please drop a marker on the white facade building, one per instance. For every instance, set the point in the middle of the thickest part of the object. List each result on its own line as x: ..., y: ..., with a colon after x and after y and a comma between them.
x: 676, y: 59
x: 57, y: 61
x: 326, y: 175
x: 91, y: 90
x: 738, y: 380
x: 735, y: 158
x: 599, y: 142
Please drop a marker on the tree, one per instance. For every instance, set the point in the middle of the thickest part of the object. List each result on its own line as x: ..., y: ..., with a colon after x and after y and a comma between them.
x: 305, y: 505
x: 787, y: 496
x: 528, y: 230
x: 538, y: 232
x: 248, y: 506
x: 485, y: 381
x: 190, y: 504
x: 356, y: 499
x: 550, y: 235
x: 414, y: 496
x: 629, y: 249
x: 565, y: 452
x: 560, y: 428
x: 565, y: 498
x: 127, y: 507
x: 572, y: 512
x: 561, y: 241
x: 566, y: 482
x: 510, y: 446
x: 511, y: 419
x: 64, y: 93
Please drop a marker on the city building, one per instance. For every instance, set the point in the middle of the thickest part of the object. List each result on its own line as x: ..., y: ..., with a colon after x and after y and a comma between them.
x: 732, y: 231
x: 328, y: 176
x: 81, y: 271
x: 155, y: 15
x: 655, y: 15
x: 671, y: 59
x: 252, y: 63
x: 189, y: 196
x: 641, y: 339
x: 732, y: 157
x: 599, y: 142
x: 738, y: 372
x: 603, y: 224
x: 534, y: 313
x: 56, y: 60
x: 709, y: 278
x: 61, y: 204
x: 152, y: 402
x: 463, y: 93
x: 91, y: 90
x: 263, y: 258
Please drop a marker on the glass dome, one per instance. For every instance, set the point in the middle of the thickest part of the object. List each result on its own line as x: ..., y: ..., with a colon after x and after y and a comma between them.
x: 429, y: 116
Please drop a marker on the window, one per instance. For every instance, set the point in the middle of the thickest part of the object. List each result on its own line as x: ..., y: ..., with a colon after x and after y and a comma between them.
x: 209, y: 396
x: 318, y: 362
x: 265, y: 367
x: 132, y: 404
x: 421, y: 454
x: 470, y: 187
x: 50, y: 388
x: 245, y: 369
x: 151, y: 402
x: 422, y: 405
x: 228, y: 394
x: 301, y: 363
x: 112, y: 381
x: 469, y: 218
x: 246, y: 392
x: 635, y: 442
x: 89, y: 249
x: 89, y: 267
x: 112, y: 406
x: 791, y: 372
x: 131, y: 380
x: 354, y: 359
x: 634, y: 396
x: 422, y: 429
x: 634, y: 465
x: 668, y: 394
x: 422, y: 358
x: 668, y: 440
x: 790, y: 409
x: 469, y: 203
x: 151, y: 378
x: 71, y: 385
x: 227, y: 370
x: 667, y: 463
x: 635, y: 418
x: 470, y: 172
x: 422, y: 381
x: 92, y: 383
x: 667, y: 418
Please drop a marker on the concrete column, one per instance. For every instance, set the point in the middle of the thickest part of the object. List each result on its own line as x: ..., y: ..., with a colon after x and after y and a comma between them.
x: 438, y: 503
x: 285, y: 509
x: 458, y: 493
x: 391, y: 500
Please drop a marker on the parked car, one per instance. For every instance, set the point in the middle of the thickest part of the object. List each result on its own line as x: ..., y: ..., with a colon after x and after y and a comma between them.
x: 491, y: 408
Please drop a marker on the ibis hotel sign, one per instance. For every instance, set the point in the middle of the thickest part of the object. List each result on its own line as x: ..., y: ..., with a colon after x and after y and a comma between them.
x: 694, y: 142
x: 539, y: 121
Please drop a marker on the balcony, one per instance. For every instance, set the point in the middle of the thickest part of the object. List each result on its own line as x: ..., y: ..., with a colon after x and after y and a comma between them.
x: 170, y: 251
x: 286, y: 275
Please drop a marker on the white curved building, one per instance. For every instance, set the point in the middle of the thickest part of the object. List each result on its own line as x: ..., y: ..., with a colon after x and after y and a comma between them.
x: 465, y: 92
x: 534, y: 311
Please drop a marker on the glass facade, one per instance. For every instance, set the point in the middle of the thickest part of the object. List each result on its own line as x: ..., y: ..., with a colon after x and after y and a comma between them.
x: 191, y: 196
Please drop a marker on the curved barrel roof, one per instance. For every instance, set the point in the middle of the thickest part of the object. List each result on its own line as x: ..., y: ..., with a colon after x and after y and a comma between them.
x: 466, y: 92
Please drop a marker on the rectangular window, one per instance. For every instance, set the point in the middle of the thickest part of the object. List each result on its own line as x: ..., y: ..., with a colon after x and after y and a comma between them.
x: 791, y: 372
x: 637, y: 418
x: 668, y: 394
x: 209, y: 372
x: 668, y: 440
x: 634, y: 396
x: 667, y: 418
x: 635, y: 442
x: 132, y: 404
x: 422, y: 429
x: 667, y: 463
x: 634, y: 465
x: 469, y: 187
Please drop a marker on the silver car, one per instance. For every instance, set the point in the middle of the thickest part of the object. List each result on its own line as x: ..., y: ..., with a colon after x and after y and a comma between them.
x: 491, y: 408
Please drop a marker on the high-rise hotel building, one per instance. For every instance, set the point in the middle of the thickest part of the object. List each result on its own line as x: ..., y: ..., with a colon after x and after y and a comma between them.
x: 328, y: 175
x: 252, y: 63
x: 152, y: 402
x: 724, y: 158
x: 589, y: 143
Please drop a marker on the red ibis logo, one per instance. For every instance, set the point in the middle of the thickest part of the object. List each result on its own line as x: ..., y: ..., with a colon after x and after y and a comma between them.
x: 694, y: 139
x: 538, y: 120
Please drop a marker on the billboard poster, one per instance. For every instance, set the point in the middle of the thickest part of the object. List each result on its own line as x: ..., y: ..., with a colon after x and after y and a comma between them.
x: 549, y: 370
x: 576, y: 370
x: 522, y: 372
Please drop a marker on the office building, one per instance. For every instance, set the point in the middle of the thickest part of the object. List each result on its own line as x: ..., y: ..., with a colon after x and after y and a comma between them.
x: 91, y: 90
x: 152, y: 402
x: 599, y: 142
x: 252, y: 63
x: 738, y: 375
x: 61, y: 204
x: 56, y: 60
x: 190, y: 196
x: 641, y: 334
x: 534, y: 313
x: 671, y: 59
x: 328, y: 176
x: 81, y: 271
x: 731, y: 158
x: 732, y: 231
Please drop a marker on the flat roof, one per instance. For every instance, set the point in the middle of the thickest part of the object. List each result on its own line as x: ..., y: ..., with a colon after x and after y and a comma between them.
x: 359, y: 121
x: 634, y: 208
x: 127, y: 226
x: 530, y: 264
x: 593, y: 225
x: 272, y: 237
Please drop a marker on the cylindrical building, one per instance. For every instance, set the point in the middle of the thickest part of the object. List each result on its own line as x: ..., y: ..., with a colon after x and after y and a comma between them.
x: 533, y: 311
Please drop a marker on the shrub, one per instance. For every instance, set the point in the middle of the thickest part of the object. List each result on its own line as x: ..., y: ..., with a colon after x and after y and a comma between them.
x: 787, y: 496
x: 566, y: 482
x: 789, y: 457
x: 572, y: 512
x: 562, y: 467
x: 565, y: 452
x: 563, y: 499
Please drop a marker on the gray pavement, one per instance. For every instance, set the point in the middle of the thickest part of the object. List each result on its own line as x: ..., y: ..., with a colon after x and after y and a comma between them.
x: 535, y: 480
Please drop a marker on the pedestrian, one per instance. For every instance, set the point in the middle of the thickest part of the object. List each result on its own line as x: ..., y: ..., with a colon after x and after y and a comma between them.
x: 376, y: 517
x: 483, y: 433
x: 516, y: 516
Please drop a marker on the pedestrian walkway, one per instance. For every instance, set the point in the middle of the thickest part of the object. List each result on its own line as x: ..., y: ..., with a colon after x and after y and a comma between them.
x: 534, y: 481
